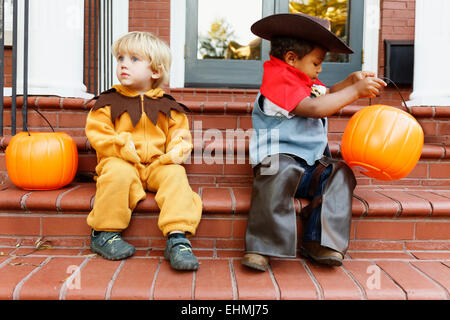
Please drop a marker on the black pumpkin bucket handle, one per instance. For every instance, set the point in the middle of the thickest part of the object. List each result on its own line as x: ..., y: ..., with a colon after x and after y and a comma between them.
x: 399, y: 93
x: 40, y: 113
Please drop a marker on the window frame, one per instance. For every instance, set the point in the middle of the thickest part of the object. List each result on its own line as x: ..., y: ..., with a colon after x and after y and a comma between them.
x: 215, y: 72
x: 248, y: 74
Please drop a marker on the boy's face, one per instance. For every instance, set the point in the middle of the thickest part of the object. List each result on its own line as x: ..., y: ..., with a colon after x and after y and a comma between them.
x: 134, y: 72
x: 311, y: 64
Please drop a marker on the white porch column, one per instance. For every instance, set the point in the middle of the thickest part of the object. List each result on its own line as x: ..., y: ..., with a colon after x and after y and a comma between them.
x: 177, y: 42
x: 371, y: 31
x: 120, y: 26
x: 431, y: 85
x: 55, y: 48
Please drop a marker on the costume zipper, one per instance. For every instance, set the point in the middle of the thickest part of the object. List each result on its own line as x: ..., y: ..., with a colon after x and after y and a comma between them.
x: 145, y: 129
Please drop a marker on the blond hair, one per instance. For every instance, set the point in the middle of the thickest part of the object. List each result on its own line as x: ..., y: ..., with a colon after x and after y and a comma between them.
x: 146, y: 45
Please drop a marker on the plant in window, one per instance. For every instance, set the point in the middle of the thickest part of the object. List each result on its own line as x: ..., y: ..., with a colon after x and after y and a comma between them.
x: 215, y: 43
x: 333, y: 10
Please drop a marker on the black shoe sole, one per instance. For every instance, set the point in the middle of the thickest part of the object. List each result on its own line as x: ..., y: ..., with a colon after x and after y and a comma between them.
x: 193, y: 267
x: 110, y: 257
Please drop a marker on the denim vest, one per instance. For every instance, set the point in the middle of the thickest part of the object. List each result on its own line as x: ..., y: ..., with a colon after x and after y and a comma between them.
x: 302, y: 137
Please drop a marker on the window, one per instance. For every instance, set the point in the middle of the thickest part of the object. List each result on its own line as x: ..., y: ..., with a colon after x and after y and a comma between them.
x: 8, y: 17
x: 346, y: 17
x: 221, y: 51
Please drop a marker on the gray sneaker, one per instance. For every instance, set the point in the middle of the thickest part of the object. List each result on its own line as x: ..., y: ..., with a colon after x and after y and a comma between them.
x: 110, y: 245
x: 179, y: 253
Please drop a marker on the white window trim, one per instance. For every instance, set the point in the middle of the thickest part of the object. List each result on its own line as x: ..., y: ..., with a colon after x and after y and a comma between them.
x: 177, y: 42
x: 371, y: 31
x: 120, y: 26
x: 8, y: 17
x: 178, y: 38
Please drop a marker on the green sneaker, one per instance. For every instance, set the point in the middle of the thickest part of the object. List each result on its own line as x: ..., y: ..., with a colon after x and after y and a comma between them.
x: 110, y: 245
x: 179, y: 253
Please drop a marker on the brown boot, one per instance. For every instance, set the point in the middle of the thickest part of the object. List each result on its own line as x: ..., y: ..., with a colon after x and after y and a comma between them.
x: 321, y: 254
x: 255, y: 261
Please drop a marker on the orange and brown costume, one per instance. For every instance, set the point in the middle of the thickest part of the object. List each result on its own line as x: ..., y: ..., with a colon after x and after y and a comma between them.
x: 141, y: 141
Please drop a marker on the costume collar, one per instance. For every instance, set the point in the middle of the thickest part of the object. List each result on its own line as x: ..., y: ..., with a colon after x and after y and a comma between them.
x: 120, y: 100
x: 277, y: 66
x: 152, y: 93
x: 284, y: 85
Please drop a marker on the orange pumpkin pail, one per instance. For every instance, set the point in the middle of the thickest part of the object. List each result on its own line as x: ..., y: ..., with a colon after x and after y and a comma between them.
x: 41, y: 160
x: 382, y: 142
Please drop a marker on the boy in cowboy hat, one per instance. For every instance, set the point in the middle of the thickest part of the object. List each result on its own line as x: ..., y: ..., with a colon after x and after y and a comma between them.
x: 289, y: 147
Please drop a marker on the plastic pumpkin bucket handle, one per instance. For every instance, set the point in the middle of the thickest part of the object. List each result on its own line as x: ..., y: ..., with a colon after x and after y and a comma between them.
x: 43, y: 117
x: 408, y: 109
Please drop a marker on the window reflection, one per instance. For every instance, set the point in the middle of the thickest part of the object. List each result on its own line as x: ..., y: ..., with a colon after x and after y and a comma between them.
x: 224, y: 29
x: 334, y: 10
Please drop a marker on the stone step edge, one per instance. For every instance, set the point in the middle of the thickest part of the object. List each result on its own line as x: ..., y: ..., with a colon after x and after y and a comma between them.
x: 218, y: 107
x: 49, y: 277
x: 368, y: 201
x: 429, y: 150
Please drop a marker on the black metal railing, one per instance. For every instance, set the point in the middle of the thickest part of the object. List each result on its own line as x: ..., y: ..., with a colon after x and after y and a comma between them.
x: 98, y: 60
x: 91, y: 56
x: 2, y: 61
x: 14, y: 65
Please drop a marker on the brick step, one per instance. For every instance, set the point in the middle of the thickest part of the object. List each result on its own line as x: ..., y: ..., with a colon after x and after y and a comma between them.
x: 384, y: 218
x: 401, y: 230
x: 221, y: 110
x: 69, y: 114
x: 51, y: 275
x: 240, y: 147
x: 223, y: 237
x: 217, y: 162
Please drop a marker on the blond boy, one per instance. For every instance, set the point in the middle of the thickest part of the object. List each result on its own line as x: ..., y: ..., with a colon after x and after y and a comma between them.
x: 141, y: 136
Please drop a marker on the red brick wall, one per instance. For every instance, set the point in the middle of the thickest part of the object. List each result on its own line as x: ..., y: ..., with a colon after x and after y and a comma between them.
x: 152, y: 16
x: 8, y: 67
x: 397, y: 23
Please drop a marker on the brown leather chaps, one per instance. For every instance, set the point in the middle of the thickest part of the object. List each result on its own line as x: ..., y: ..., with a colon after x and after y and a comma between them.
x: 272, y: 223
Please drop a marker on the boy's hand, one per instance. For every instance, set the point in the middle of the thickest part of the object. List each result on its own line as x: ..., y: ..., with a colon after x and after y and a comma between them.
x: 368, y: 86
x: 351, y: 79
x: 128, y: 153
x: 178, y: 154
x: 359, y: 75
x: 361, y: 84
x: 127, y: 149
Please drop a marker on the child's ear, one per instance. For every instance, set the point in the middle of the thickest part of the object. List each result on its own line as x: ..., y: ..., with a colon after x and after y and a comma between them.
x: 156, y: 74
x: 290, y: 58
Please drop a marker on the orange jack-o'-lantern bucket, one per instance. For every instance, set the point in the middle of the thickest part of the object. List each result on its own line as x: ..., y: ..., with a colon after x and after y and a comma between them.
x: 382, y: 142
x: 41, y: 160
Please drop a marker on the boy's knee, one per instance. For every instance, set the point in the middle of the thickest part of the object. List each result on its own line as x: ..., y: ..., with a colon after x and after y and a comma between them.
x: 117, y: 169
x: 178, y: 170
x: 174, y: 171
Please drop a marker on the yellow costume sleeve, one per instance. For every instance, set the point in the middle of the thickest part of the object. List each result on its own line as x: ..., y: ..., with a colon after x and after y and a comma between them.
x: 105, y: 140
x: 179, y: 140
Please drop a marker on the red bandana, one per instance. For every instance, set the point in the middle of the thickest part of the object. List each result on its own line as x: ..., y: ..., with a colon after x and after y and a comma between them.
x: 284, y: 85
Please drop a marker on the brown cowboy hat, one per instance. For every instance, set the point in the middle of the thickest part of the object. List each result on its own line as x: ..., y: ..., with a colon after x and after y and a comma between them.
x: 303, y: 26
